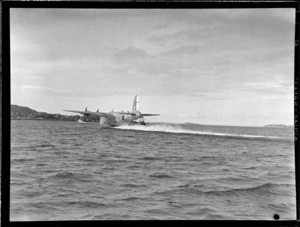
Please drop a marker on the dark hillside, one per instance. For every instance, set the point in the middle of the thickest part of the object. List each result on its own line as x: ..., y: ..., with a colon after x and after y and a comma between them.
x: 21, y: 109
x: 22, y: 113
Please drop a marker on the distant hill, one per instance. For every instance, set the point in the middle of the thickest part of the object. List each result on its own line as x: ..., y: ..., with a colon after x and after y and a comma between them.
x: 21, y: 109
x: 278, y: 126
x: 25, y: 113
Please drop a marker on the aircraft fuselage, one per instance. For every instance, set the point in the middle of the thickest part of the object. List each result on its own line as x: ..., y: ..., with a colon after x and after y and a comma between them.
x: 119, y: 119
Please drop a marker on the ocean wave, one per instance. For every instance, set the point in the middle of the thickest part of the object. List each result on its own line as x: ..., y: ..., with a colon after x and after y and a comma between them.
x: 180, y: 129
x: 65, y: 175
x: 281, y: 207
x: 22, y: 160
x: 160, y: 175
x: 33, y: 147
x: 131, y: 198
x: 45, y: 146
x: 86, y: 204
x: 202, y: 190
x: 214, y: 217
x: 148, y: 158
x: 263, y: 188
x: 130, y: 185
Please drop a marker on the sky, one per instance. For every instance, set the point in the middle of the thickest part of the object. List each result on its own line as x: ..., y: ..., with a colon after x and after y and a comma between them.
x: 206, y: 66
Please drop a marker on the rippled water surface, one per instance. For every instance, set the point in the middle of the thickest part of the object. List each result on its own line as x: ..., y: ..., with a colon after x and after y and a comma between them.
x: 71, y: 171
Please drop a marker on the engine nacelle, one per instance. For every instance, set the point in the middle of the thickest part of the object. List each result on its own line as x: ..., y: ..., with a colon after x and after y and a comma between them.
x: 138, y: 114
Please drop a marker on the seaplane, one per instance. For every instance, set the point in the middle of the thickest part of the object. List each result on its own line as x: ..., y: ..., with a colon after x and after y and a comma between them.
x: 114, y: 119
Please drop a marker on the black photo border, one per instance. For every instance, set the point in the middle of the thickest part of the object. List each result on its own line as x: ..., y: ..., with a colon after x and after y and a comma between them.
x: 6, y: 5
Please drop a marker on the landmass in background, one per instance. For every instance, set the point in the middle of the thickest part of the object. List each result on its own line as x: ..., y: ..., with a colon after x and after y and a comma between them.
x: 25, y: 113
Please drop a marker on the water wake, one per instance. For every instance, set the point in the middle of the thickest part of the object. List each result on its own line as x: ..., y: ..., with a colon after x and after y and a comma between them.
x: 183, y: 129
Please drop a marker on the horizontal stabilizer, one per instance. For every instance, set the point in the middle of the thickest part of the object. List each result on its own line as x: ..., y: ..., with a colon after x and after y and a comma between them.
x: 126, y: 113
x: 150, y: 115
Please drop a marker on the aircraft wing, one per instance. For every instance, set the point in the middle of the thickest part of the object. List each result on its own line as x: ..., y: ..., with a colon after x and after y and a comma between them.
x: 150, y: 115
x: 126, y: 113
x: 77, y: 111
x: 108, y: 115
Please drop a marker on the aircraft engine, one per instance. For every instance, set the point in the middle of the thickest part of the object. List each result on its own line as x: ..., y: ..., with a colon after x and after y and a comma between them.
x: 103, y: 121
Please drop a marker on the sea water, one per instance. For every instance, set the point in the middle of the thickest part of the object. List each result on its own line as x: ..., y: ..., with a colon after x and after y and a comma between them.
x: 70, y: 171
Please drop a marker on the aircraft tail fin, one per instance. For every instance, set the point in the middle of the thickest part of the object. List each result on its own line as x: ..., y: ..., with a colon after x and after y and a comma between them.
x: 135, y: 107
